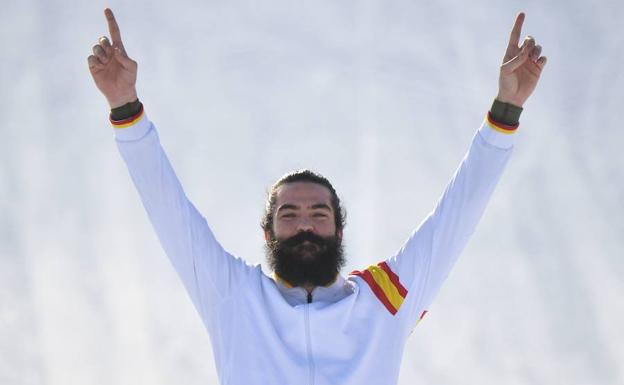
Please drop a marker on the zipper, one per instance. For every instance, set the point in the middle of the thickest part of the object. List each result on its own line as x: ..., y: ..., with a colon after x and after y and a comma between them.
x: 308, y: 344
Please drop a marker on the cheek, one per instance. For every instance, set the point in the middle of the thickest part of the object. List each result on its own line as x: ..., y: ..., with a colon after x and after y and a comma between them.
x: 326, y: 228
x: 283, y: 229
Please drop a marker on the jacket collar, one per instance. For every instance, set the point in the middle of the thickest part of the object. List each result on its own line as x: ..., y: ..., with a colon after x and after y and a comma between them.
x: 297, y: 295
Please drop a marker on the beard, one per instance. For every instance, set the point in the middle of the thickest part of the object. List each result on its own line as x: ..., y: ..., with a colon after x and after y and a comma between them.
x: 306, y: 258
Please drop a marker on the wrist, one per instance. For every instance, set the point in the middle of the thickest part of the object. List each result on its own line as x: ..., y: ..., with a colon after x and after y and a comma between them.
x: 125, y: 111
x: 123, y: 100
x: 510, y: 100
x: 505, y: 113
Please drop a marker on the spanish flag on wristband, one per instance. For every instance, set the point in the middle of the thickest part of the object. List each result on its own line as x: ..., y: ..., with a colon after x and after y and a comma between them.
x: 128, y: 121
x: 500, y: 127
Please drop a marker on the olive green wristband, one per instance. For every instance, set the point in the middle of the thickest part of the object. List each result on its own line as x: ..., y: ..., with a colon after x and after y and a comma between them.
x: 505, y: 113
x: 126, y: 111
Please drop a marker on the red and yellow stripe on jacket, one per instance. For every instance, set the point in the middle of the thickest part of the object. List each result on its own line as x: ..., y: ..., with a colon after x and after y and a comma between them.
x: 385, y: 284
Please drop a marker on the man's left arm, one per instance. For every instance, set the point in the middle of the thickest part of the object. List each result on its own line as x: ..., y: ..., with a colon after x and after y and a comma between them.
x: 415, y: 274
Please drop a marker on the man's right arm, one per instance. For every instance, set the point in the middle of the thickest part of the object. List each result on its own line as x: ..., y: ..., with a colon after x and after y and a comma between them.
x: 206, y: 269
x: 208, y: 272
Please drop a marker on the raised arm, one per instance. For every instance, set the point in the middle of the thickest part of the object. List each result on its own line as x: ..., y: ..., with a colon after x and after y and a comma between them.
x: 426, y: 259
x: 208, y: 272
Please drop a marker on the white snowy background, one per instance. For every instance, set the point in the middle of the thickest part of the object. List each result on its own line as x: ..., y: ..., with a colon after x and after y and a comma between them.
x: 382, y: 97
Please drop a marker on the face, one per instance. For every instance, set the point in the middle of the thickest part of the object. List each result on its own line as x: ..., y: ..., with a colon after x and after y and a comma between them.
x: 304, y: 247
x: 301, y: 207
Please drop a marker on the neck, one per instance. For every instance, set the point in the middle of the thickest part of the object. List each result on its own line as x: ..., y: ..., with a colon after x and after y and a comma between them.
x: 309, y: 288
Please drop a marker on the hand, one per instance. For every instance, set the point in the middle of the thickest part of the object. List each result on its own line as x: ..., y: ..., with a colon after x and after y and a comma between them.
x: 521, y: 68
x: 112, y: 70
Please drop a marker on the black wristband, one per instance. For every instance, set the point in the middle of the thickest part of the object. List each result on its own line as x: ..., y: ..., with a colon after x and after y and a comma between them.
x: 505, y: 113
x: 126, y: 111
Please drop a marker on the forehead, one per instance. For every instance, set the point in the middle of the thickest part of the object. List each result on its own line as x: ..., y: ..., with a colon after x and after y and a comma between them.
x: 302, y: 194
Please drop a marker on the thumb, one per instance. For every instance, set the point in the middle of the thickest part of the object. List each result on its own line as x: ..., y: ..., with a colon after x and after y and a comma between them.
x: 515, y: 62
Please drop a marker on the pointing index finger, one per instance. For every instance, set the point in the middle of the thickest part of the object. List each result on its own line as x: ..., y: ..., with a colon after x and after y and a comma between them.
x: 113, y: 28
x: 514, y: 38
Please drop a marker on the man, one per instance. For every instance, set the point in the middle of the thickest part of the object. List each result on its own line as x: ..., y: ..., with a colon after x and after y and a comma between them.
x: 309, y: 324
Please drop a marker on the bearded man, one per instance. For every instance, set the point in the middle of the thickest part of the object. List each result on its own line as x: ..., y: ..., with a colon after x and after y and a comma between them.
x: 307, y: 323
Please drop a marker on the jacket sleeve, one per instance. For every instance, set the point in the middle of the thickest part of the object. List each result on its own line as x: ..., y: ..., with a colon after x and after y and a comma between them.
x: 208, y: 272
x: 422, y: 264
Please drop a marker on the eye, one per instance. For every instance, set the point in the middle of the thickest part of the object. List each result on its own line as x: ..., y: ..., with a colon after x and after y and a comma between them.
x: 320, y: 215
x: 288, y: 215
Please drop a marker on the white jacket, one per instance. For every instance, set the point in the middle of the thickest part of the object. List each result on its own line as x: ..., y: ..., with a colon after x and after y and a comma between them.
x: 354, y: 330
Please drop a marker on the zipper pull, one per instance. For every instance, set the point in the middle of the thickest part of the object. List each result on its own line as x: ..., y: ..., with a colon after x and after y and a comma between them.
x: 309, y: 297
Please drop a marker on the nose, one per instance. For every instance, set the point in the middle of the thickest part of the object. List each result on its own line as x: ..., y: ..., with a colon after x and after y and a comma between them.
x: 304, y: 225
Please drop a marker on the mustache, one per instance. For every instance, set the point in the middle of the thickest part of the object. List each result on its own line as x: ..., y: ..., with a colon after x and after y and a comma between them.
x: 299, y: 238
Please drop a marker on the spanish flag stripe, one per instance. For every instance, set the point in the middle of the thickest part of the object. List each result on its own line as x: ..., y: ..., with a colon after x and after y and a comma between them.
x: 128, y: 122
x: 366, y: 275
x: 394, y: 278
x: 500, y: 127
x: 422, y: 315
x: 384, y: 282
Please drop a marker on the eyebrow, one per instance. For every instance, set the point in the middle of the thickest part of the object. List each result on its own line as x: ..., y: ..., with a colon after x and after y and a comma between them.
x: 290, y: 206
x: 321, y: 206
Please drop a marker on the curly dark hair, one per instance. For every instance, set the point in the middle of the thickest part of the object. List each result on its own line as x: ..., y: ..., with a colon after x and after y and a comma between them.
x: 302, y: 176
